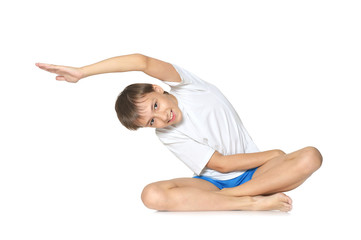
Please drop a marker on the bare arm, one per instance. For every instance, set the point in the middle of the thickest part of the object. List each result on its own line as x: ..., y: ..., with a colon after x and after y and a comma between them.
x: 134, y: 62
x: 241, y: 162
x: 126, y: 63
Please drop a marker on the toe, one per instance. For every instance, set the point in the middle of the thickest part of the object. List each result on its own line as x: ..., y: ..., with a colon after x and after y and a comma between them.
x: 286, y: 207
x: 286, y: 198
x: 289, y: 200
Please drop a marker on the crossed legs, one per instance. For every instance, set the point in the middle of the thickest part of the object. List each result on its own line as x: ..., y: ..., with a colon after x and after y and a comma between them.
x: 191, y: 194
x: 278, y: 175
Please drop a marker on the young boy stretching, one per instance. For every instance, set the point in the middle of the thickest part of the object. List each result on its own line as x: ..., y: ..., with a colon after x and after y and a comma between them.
x: 198, y: 124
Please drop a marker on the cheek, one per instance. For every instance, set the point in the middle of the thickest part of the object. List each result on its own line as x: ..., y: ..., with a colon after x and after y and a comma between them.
x: 179, y: 118
x: 180, y: 114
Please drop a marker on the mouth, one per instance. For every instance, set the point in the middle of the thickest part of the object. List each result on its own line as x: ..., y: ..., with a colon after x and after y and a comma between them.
x: 172, y: 116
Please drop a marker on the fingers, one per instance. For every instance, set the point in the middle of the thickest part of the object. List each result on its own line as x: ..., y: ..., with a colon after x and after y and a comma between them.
x: 47, y: 67
x: 60, y: 78
x: 43, y: 65
x: 63, y: 73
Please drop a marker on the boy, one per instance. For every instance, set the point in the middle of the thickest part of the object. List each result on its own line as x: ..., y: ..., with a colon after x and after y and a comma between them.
x: 198, y: 124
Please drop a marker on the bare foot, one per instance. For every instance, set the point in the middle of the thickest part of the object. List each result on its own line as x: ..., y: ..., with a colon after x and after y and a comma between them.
x: 278, y: 201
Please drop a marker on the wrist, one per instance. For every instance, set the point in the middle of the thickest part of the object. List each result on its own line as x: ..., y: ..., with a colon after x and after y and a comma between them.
x: 84, y: 72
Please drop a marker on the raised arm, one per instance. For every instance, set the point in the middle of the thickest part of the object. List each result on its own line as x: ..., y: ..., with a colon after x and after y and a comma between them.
x: 241, y: 162
x: 135, y: 62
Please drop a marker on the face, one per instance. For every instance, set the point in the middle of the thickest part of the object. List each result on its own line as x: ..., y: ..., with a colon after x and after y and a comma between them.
x: 159, y: 110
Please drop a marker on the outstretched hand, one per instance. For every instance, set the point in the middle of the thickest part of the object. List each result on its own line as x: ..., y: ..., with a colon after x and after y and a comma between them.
x: 69, y: 74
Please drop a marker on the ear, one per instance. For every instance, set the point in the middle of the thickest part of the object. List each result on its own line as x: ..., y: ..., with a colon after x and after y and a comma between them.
x: 158, y: 89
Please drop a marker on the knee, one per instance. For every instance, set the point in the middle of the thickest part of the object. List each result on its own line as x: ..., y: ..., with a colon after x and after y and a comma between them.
x: 279, y: 152
x: 153, y: 197
x: 311, y: 160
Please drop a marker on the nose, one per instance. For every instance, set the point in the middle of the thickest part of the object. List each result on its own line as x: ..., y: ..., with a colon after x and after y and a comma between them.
x: 162, y: 116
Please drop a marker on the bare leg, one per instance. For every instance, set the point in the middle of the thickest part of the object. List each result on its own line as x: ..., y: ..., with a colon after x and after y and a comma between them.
x: 190, y: 194
x: 280, y: 174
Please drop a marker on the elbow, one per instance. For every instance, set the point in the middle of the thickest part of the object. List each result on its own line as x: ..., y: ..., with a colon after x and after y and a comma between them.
x: 141, y: 61
x: 216, y: 163
x: 222, y: 169
x: 222, y: 166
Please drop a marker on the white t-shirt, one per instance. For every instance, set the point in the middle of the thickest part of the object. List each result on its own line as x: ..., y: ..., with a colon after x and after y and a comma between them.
x: 209, y: 124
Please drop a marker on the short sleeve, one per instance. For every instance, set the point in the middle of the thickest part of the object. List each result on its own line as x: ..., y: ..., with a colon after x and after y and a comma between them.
x: 189, y: 81
x: 185, y: 76
x: 193, y: 154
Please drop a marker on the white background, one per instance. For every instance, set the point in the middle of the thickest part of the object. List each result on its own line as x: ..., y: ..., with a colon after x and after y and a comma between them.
x: 70, y: 170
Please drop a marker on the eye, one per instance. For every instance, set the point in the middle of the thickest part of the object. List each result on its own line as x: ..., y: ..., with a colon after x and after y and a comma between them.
x: 155, y: 108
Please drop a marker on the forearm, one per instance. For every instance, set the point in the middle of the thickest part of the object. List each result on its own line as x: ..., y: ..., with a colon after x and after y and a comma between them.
x: 133, y: 62
x: 245, y: 161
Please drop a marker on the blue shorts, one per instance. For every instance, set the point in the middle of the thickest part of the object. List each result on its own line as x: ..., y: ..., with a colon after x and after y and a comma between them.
x: 234, y: 182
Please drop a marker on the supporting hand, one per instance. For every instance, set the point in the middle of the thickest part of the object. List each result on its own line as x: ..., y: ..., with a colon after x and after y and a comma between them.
x: 69, y: 74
